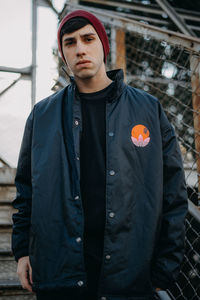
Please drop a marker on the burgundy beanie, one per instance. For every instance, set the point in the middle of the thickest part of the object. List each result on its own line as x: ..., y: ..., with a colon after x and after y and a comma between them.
x: 95, y: 23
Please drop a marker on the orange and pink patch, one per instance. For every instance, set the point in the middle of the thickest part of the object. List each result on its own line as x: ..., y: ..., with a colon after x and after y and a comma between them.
x: 140, y: 135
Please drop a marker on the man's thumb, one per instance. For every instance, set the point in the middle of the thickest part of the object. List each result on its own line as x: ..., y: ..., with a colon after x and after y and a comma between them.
x: 30, y: 273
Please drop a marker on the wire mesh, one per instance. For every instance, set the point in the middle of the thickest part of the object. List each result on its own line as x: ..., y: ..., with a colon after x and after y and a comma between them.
x: 188, y: 283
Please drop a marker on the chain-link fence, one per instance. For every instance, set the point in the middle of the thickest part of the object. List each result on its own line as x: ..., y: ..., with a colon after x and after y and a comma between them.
x: 167, y: 65
x: 188, y: 284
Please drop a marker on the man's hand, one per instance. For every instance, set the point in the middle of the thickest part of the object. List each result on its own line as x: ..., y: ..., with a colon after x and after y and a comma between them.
x: 24, y: 272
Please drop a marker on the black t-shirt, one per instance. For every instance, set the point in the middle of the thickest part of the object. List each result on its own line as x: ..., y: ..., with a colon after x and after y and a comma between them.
x: 93, y: 170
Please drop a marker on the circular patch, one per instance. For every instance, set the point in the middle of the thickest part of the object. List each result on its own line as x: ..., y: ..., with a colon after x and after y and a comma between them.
x: 140, y: 135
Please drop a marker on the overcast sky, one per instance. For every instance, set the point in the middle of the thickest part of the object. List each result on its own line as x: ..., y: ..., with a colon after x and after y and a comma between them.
x: 15, y: 51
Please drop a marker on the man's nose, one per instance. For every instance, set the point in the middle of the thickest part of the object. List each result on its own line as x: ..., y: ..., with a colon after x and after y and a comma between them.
x: 80, y: 48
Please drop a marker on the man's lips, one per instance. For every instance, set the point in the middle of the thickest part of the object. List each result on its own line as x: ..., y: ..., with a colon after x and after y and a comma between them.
x: 82, y: 62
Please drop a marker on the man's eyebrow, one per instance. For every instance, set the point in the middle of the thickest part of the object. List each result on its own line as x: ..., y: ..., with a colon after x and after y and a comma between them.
x: 82, y: 35
x: 68, y: 39
x: 89, y: 33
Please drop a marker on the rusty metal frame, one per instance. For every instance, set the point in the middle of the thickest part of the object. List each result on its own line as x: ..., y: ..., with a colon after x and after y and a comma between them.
x: 181, y: 14
x: 175, y: 38
x: 174, y: 16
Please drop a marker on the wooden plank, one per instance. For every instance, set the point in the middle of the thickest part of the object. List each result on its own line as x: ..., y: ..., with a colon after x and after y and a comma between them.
x: 7, y: 175
x: 5, y: 241
x: 195, y: 80
x: 8, y: 268
x: 11, y: 289
x: 7, y: 194
x: 17, y: 295
x: 6, y: 212
x: 120, y: 50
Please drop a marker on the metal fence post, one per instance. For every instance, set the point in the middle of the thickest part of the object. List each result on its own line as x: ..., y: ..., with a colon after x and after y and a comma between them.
x: 34, y: 47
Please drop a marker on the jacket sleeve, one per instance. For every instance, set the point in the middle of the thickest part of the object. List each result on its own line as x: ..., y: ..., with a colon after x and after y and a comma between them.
x: 23, y: 199
x: 169, y: 249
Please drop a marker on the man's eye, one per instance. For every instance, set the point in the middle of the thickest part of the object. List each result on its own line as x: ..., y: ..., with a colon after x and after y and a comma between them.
x: 89, y: 39
x: 69, y: 43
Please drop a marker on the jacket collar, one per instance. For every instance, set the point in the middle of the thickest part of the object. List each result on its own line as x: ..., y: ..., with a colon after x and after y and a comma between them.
x: 117, y: 76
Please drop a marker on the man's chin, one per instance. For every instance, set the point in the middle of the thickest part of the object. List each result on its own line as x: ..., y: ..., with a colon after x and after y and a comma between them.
x: 85, y: 74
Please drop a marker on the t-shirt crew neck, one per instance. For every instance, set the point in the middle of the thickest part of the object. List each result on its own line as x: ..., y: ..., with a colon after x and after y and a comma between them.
x: 99, y: 94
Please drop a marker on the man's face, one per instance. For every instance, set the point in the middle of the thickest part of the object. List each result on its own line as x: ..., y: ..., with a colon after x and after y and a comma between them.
x: 83, y: 52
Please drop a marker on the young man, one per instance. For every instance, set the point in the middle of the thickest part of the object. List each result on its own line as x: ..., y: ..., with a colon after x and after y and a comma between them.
x: 100, y: 183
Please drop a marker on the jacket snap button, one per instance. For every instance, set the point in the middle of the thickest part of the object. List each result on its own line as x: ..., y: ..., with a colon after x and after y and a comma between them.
x: 76, y: 122
x: 76, y: 197
x: 111, y: 133
x: 111, y: 214
x: 78, y: 239
x: 112, y: 172
x: 103, y: 298
x: 77, y: 157
x: 108, y: 256
x: 80, y: 283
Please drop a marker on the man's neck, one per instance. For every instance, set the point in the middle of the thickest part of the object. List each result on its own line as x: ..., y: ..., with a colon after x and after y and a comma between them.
x: 92, y: 85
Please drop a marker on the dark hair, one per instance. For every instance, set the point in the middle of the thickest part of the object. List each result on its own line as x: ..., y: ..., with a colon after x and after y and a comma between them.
x: 73, y: 25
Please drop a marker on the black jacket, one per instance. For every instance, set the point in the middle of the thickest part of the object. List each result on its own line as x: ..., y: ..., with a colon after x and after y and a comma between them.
x: 146, y: 199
